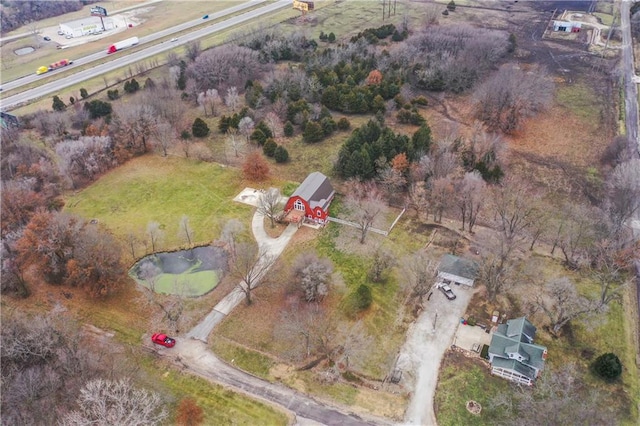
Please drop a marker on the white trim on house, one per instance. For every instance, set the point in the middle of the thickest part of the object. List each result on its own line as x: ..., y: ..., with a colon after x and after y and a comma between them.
x: 455, y: 279
x: 511, y: 375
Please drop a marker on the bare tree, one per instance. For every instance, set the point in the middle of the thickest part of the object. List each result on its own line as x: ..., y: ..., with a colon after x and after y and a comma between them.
x: 471, y: 195
x: 510, y: 95
x: 514, y: 212
x: 155, y: 234
x: 184, y: 229
x: 249, y: 265
x: 365, y: 205
x: 165, y: 135
x: 232, y: 99
x: 623, y: 193
x: 309, y: 325
x: 230, y: 233
x: 193, y: 50
x: 495, y: 270
x: 107, y: 402
x: 313, y: 275
x: 439, y: 196
x: 234, y: 141
x: 245, y: 127
x: 275, y: 124
x: 420, y: 274
x: 382, y: 261
x: 561, y: 303
x: 270, y: 204
x: 574, y: 234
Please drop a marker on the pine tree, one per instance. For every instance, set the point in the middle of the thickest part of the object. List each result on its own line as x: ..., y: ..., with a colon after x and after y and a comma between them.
x: 199, y: 129
x: 58, y: 104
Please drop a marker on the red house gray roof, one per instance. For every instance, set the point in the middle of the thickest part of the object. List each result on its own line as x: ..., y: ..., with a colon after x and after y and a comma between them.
x: 316, y: 190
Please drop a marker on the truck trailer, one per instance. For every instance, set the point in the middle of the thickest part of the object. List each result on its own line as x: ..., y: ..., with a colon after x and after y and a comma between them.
x: 122, y: 44
x: 54, y: 66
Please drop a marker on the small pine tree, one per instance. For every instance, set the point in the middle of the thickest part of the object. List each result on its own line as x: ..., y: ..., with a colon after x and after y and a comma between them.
x: 288, y: 129
x: 113, y: 94
x: 259, y: 137
x: 83, y: 93
x: 451, y: 6
x: 608, y: 366
x: 72, y: 100
x: 331, y: 38
x: 281, y: 155
x: 185, y: 135
x: 58, y: 104
x: 269, y: 147
x: 363, y: 297
x: 199, y: 128
x: 312, y: 132
x: 512, y: 43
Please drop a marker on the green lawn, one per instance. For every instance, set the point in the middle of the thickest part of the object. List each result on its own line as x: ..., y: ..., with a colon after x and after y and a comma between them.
x: 152, y: 188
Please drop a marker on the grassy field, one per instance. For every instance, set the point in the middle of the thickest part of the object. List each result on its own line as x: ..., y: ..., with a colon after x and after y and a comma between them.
x: 152, y: 188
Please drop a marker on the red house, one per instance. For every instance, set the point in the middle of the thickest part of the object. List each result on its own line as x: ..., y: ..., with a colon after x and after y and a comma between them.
x: 311, y: 200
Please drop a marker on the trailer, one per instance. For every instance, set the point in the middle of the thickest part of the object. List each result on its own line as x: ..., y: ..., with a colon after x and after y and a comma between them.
x: 54, y: 66
x: 122, y: 44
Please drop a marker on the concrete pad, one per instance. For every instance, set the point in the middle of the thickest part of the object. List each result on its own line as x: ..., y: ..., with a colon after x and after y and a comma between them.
x: 466, y: 336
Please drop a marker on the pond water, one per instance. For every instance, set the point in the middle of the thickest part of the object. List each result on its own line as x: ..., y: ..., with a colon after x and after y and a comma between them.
x: 24, y: 51
x: 192, y: 272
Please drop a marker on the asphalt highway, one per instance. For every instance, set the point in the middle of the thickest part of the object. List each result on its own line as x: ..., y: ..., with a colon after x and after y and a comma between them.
x: 121, y: 59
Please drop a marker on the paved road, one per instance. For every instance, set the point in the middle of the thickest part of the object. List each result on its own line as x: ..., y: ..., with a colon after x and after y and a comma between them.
x: 194, y: 356
x: 122, y: 61
x: 630, y: 87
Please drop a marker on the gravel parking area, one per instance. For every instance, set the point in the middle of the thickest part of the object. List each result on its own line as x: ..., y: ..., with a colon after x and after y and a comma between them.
x: 428, y: 339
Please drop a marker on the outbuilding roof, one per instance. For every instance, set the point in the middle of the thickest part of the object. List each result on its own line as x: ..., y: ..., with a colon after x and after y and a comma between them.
x: 459, y: 266
x: 316, y: 190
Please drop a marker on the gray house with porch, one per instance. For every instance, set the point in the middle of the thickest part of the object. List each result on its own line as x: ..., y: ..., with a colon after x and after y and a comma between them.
x: 512, y: 353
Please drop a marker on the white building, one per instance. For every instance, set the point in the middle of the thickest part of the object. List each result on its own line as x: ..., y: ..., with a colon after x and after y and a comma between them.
x: 85, y: 26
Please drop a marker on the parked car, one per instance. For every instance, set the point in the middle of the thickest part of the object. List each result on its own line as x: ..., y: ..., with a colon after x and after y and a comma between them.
x: 205, y: 17
x: 174, y: 39
x: 47, y: 38
x: 447, y: 291
x: 163, y: 339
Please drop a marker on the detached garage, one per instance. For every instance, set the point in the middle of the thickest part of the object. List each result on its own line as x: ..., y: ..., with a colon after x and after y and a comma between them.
x: 457, y: 270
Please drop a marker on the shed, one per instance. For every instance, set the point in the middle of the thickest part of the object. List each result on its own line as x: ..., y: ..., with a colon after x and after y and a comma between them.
x: 457, y: 270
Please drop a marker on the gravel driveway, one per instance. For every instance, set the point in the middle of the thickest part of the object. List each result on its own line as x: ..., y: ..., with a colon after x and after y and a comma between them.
x: 424, y: 349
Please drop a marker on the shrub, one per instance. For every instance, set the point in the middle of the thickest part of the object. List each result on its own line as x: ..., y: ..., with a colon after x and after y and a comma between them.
x: 199, y: 128
x: 113, y: 94
x: 269, y: 147
x: 131, y: 86
x: 331, y: 38
x: 72, y: 100
x: 83, y: 93
x: 328, y: 126
x: 149, y: 84
x: 281, y: 155
x: 363, y: 297
x: 451, y: 6
x: 185, y: 135
x: 98, y: 108
x: 255, y: 167
x: 608, y: 366
x: 420, y: 100
x: 343, y: 124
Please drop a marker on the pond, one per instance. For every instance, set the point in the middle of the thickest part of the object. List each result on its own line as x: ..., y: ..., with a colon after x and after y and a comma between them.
x: 192, y: 272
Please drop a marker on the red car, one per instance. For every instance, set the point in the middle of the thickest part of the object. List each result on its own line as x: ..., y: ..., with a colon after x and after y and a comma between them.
x: 163, y: 339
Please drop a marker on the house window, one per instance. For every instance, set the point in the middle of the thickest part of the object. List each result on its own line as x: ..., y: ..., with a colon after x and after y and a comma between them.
x: 319, y: 213
x: 299, y: 205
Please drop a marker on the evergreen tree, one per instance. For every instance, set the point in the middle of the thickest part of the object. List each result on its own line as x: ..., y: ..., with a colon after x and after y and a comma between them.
x: 281, y: 155
x: 328, y: 126
x: 58, y: 104
x: 312, y: 132
x: 98, y: 108
x: 199, y: 129
x: 608, y: 366
x: 330, y: 98
x: 420, y: 142
x: 343, y: 124
x: 269, y: 147
x: 258, y: 137
x: 451, y: 6
x: 288, y: 129
x: 83, y: 93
